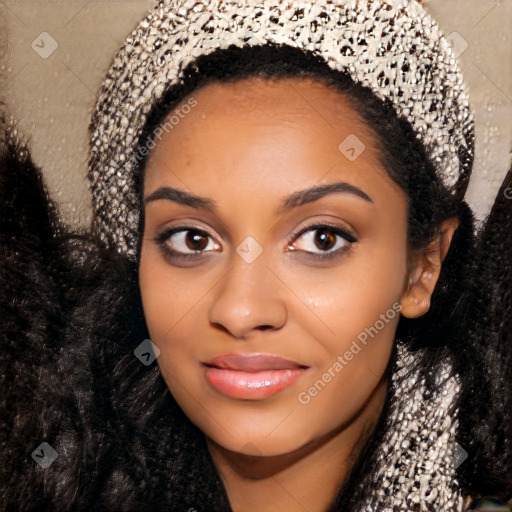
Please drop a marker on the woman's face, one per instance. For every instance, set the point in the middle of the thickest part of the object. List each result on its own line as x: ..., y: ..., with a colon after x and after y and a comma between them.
x: 274, y: 297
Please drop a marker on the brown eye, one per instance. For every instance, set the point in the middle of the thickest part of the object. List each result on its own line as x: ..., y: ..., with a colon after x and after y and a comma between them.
x: 325, y: 239
x: 185, y: 242
x: 322, y: 241
x: 196, y: 241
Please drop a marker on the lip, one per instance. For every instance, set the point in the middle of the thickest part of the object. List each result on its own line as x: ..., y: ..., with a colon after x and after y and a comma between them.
x: 252, y: 376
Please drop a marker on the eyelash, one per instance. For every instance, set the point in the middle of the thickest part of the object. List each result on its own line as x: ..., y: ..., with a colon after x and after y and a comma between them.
x: 348, y: 237
x: 162, y: 237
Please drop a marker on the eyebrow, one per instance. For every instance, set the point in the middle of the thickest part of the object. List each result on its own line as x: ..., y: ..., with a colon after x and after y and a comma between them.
x: 294, y: 200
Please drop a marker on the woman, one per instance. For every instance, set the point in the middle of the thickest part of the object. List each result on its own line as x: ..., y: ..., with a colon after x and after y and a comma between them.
x: 251, y: 127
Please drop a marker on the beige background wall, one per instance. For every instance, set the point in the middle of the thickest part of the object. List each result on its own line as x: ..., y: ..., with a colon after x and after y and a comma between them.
x: 55, y: 53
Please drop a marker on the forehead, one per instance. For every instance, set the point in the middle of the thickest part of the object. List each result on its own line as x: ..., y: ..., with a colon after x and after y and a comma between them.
x: 254, y: 128
x: 295, y: 99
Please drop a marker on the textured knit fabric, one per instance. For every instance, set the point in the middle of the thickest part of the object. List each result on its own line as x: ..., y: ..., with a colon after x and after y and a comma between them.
x: 391, y: 46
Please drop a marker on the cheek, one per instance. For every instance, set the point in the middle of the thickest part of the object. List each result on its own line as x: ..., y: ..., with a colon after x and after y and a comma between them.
x: 175, y: 302
x: 169, y: 297
x: 350, y: 297
x: 353, y: 318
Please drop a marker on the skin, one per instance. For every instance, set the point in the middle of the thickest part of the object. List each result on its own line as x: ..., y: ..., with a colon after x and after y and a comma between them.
x: 246, y: 146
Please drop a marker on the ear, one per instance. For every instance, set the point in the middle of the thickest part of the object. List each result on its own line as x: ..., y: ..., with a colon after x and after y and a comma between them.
x: 424, y: 271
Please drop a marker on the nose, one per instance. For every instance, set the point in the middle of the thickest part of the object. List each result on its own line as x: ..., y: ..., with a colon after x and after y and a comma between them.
x: 249, y: 298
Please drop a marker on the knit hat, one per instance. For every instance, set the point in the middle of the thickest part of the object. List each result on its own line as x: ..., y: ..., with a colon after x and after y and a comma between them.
x: 391, y: 46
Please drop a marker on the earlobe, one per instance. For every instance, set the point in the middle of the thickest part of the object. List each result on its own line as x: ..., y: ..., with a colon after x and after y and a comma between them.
x: 415, y: 299
x: 424, y: 274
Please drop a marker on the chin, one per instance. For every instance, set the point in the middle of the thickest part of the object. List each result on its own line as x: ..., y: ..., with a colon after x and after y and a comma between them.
x: 259, y: 444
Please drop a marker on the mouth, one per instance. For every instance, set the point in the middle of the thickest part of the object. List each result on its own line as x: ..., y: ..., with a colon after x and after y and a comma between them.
x: 252, y: 377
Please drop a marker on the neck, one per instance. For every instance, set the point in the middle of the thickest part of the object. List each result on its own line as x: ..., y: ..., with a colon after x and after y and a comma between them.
x: 307, y: 479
